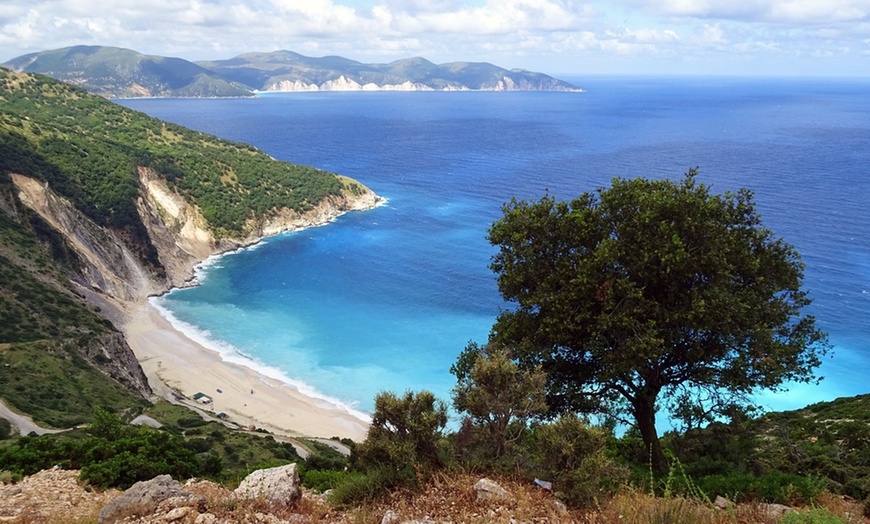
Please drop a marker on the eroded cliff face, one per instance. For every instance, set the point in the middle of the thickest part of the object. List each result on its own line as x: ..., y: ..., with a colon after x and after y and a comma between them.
x: 182, y: 236
x: 111, y: 354
x: 176, y: 228
x: 110, y: 267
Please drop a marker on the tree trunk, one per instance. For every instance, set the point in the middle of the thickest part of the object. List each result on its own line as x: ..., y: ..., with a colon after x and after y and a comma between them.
x: 645, y: 416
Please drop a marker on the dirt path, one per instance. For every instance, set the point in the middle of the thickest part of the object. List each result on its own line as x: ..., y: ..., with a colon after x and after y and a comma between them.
x: 23, y: 423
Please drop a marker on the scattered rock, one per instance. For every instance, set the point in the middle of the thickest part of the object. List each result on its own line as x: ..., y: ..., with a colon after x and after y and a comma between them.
x: 723, y: 503
x: 390, y: 517
x: 278, y: 486
x: 143, y: 498
x: 177, y: 514
x: 775, y: 510
x: 487, y: 489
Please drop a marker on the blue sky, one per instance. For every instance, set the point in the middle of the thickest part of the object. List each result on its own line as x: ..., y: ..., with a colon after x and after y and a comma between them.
x: 558, y: 37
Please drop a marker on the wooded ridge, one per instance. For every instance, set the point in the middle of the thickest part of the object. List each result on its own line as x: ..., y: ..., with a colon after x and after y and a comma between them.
x: 123, y: 73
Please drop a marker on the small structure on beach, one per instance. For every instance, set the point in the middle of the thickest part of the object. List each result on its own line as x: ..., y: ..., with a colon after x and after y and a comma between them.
x: 202, y: 398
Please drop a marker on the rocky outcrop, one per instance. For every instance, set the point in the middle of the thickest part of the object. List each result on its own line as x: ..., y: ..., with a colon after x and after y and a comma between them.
x: 277, y: 486
x: 110, y: 354
x: 486, y: 489
x: 343, y: 83
x: 110, y: 266
x: 177, y: 229
x: 47, y: 494
x: 143, y: 499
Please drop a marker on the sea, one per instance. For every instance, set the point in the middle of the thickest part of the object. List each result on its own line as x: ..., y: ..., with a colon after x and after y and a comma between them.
x: 385, y: 299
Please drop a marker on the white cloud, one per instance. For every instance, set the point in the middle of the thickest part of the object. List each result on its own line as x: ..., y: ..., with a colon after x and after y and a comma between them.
x: 770, y: 11
x: 533, y: 34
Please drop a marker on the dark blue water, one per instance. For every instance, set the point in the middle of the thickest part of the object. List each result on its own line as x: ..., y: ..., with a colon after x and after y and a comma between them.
x: 386, y: 299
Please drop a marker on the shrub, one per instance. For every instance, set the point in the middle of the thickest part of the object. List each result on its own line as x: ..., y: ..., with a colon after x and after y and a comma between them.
x: 774, y: 486
x: 498, y: 397
x: 357, y: 488
x: 321, y: 480
x: 812, y: 516
x: 191, y: 422
x: 572, y: 455
x: 404, y: 433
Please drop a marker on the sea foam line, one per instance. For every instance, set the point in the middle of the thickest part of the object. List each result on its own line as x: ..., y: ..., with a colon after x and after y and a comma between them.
x: 232, y: 355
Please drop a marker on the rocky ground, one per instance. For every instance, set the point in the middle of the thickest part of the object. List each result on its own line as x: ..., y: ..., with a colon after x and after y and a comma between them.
x: 49, y: 496
x: 274, y: 496
x: 57, y: 497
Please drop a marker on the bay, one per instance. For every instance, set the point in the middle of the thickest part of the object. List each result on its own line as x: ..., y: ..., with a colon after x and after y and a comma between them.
x: 385, y: 299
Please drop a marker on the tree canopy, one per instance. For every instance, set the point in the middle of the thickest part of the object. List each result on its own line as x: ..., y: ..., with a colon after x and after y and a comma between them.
x: 651, y: 294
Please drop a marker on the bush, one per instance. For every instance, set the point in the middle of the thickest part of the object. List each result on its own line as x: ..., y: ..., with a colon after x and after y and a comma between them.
x: 775, y: 486
x: 498, y: 397
x: 572, y: 455
x: 191, y: 422
x: 812, y: 516
x: 357, y: 488
x: 404, y: 433
x: 321, y: 480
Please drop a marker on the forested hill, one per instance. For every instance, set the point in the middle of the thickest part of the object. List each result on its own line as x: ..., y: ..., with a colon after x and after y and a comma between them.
x: 289, y: 71
x: 123, y: 73
x: 101, y: 205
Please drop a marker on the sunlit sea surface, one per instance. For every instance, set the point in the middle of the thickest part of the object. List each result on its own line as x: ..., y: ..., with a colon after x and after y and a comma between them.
x: 386, y: 299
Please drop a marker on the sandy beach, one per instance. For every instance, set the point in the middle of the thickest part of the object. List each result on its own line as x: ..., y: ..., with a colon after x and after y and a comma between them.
x: 174, y: 362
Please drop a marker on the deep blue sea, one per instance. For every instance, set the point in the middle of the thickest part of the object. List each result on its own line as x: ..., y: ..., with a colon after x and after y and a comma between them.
x: 386, y: 299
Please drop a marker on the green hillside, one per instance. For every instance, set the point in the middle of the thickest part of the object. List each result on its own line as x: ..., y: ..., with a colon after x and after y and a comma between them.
x: 117, y: 72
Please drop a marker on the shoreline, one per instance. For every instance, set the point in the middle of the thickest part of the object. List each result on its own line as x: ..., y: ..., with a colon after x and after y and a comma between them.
x: 175, y: 363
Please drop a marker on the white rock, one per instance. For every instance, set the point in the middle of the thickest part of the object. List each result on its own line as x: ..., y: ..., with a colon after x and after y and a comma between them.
x: 487, y: 489
x: 277, y: 485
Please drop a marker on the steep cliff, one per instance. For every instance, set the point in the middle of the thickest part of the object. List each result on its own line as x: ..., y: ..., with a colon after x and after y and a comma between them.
x: 183, y: 237
x: 175, y: 227
x: 110, y: 268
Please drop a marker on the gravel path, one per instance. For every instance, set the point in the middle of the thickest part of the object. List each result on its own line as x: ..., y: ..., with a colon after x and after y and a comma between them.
x: 25, y: 424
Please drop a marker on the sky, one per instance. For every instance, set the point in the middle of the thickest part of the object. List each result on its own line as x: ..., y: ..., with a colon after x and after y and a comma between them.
x: 807, y: 38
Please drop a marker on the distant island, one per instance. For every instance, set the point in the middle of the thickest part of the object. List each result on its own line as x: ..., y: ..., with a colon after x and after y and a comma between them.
x: 115, y: 72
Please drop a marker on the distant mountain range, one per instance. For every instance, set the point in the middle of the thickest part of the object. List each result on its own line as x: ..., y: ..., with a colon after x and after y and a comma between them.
x: 123, y: 73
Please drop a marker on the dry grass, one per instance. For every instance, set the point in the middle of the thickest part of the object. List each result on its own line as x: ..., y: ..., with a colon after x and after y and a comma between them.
x: 451, y: 498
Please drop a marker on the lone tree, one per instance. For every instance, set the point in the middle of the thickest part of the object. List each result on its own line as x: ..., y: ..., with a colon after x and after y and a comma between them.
x: 651, y: 290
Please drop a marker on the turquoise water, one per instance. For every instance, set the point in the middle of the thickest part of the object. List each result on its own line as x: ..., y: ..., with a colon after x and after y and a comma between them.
x: 386, y: 299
